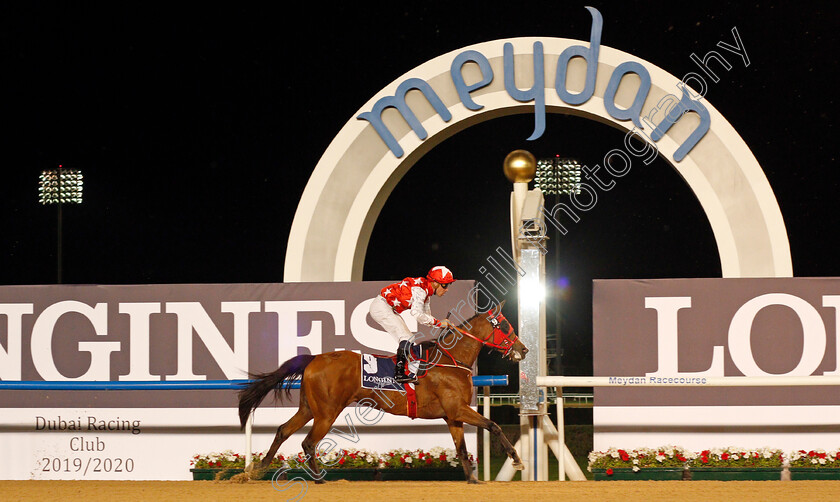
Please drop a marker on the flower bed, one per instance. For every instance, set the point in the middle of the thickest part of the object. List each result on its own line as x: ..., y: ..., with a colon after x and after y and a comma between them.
x: 673, y: 462
x: 739, y: 457
x: 737, y: 464
x: 663, y: 463
x: 437, y: 463
x: 640, y: 458
x: 814, y: 464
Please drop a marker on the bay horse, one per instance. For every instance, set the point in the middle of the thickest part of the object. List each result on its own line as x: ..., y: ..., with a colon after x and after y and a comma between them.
x: 332, y: 381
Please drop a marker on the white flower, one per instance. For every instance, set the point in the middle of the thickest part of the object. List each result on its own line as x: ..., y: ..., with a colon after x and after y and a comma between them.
x: 408, y: 460
x: 822, y: 461
x: 635, y: 468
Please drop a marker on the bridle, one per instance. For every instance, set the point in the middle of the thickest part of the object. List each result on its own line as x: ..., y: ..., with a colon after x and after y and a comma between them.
x: 498, y: 339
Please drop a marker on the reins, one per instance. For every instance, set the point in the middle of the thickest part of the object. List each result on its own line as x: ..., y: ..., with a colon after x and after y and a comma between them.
x: 487, y: 342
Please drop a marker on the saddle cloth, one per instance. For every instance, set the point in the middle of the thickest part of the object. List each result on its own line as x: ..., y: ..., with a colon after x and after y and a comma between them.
x: 378, y: 371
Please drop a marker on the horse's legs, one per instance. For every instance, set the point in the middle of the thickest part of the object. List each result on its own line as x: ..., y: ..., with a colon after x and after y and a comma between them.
x: 468, y: 415
x: 301, y: 418
x: 320, y: 428
x: 456, y: 428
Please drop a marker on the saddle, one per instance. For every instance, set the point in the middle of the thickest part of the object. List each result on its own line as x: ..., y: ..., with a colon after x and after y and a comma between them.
x: 378, y: 371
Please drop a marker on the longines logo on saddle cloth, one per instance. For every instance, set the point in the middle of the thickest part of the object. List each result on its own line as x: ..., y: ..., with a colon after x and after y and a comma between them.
x: 378, y: 371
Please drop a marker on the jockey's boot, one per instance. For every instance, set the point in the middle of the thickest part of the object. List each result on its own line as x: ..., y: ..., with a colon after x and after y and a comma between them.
x: 400, y: 375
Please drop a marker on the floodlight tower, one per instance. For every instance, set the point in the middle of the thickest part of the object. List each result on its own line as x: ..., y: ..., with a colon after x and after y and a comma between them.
x: 60, y: 186
x: 558, y: 176
x: 528, y: 239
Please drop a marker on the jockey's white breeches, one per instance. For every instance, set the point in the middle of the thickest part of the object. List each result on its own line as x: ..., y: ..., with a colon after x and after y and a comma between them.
x: 384, y: 314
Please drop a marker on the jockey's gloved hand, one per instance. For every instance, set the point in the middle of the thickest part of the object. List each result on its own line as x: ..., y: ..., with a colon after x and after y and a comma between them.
x: 445, y: 324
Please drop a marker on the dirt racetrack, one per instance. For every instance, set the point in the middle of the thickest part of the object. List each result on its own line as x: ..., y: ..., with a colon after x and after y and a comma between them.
x: 417, y: 491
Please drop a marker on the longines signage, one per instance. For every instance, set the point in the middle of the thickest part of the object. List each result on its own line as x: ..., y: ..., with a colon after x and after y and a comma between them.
x: 183, y: 332
x: 692, y: 329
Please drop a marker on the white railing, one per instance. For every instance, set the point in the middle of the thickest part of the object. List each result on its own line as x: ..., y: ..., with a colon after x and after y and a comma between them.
x: 558, y: 382
x: 485, y: 381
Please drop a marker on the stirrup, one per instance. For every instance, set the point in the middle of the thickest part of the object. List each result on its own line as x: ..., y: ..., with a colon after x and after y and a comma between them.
x: 403, y: 378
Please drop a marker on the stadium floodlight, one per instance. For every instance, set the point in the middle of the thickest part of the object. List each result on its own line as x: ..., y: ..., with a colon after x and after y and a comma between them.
x: 60, y: 186
x: 558, y: 176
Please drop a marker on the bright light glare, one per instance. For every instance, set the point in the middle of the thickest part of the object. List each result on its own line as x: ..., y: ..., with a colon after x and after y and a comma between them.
x: 531, y: 290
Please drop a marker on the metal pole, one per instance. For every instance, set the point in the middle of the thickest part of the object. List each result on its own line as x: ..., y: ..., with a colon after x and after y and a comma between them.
x: 249, y: 426
x: 558, y: 314
x: 486, y: 434
x: 561, y: 435
x: 58, y: 253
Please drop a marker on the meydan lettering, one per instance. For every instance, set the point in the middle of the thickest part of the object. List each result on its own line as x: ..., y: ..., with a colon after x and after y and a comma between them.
x: 536, y: 93
x: 657, y: 380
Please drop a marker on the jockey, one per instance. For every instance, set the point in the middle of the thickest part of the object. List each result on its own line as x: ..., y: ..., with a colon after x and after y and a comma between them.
x: 413, y: 294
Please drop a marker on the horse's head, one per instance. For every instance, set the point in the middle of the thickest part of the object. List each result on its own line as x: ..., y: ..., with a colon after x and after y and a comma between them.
x: 503, y: 338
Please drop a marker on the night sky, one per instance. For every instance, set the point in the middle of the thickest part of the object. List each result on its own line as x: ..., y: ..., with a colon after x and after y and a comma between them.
x: 196, y: 131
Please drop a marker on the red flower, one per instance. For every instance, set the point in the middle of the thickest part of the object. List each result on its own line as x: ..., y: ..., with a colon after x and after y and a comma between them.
x: 705, y: 453
x: 341, y: 461
x: 443, y: 456
x: 724, y: 456
x: 609, y: 471
x: 624, y: 456
x: 704, y: 459
x: 428, y: 460
x: 811, y: 453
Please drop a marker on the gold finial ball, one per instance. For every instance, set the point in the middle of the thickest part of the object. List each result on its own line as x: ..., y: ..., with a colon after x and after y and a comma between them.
x: 520, y: 166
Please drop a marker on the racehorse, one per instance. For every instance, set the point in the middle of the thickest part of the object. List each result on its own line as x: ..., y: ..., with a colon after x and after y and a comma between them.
x: 332, y: 381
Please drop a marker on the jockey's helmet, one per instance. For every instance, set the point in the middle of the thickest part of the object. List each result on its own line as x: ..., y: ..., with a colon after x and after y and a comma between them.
x: 440, y: 275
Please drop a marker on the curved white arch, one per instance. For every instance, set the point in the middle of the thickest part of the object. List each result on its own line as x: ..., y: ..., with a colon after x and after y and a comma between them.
x: 354, y: 177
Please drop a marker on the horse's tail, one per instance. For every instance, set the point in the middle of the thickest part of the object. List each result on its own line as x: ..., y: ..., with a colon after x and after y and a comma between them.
x: 281, y: 379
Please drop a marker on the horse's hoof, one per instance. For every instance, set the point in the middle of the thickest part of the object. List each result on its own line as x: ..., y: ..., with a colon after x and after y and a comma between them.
x: 519, y: 466
x: 319, y: 481
x: 474, y: 481
x: 249, y: 467
x: 242, y: 477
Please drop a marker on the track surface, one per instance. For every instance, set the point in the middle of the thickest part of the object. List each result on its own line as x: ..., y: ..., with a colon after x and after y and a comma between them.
x: 432, y: 491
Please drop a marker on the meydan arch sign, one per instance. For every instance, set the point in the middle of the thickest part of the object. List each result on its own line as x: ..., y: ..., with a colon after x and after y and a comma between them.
x: 396, y: 127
